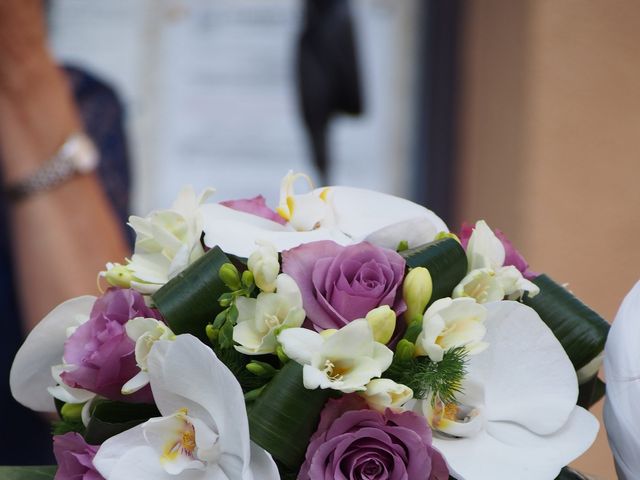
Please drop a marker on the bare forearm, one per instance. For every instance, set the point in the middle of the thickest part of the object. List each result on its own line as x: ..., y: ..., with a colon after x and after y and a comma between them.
x: 61, y: 237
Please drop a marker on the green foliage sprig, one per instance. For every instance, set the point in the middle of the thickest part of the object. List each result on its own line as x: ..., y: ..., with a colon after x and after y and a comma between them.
x: 441, y: 380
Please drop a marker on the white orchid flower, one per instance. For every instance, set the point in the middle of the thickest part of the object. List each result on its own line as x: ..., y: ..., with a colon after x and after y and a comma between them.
x: 167, y: 241
x: 487, y: 278
x: 383, y: 393
x: 203, y: 433
x: 264, y: 265
x: 357, y: 215
x: 307, y: 211
x: 36, y: 367
x: 145, y: 332
x: 622, y: 371
x: 346, y: 360
x: 517, y: 416
x: 261, y: 319
x: 450, y: 323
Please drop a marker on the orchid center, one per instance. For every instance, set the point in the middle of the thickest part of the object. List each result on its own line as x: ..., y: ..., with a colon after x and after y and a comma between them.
x: 453, y: 419
x: 177, y: 445
x: 185, y: 444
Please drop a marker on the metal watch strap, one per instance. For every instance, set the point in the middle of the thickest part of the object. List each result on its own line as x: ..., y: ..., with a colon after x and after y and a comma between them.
x: 61, y: 167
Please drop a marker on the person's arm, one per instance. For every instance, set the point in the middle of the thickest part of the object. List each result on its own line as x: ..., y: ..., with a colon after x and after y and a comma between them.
x: 61, y: 237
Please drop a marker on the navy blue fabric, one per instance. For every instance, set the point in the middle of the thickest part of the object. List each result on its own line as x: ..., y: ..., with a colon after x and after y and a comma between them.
x: 25, y: 439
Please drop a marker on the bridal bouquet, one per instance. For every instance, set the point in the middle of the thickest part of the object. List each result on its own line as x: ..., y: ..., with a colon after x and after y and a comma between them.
x: 344, y: 335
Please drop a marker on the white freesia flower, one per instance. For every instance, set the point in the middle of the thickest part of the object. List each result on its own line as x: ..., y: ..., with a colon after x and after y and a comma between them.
x: 261, y: 319
x: 383, y: 393
x: 36, y: 367
x: 517, y: 416
x: 622, y: 371
x: 346, y: 360
x: 356, y: 215
x: 203, y: 433
x: 487, y: 278
x: 265, y: 266
x: 167, y: 241
x: 145, y: 332
x: 450, y: 323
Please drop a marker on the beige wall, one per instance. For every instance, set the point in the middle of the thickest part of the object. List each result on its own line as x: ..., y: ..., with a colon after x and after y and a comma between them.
x: 550, y: 143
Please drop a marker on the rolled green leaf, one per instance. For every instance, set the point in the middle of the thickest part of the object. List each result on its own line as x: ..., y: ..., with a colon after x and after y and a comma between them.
x: 110, y: 418
x: 189, y: 301
x: 570, y: 474
x: 580, y: 330
x: 285, y: 416
x: 446, y: 261
x: 28, y: 473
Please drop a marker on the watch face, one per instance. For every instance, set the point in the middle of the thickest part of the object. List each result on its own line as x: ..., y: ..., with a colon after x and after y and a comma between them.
x: 84, y: 155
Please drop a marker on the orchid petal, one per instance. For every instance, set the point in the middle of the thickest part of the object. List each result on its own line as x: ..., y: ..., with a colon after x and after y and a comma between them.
x: 505, y: 451
x: 31, y: 370
x: 115, y: 450
x: 176, y: 372
x: 415, y: 231
x: 360, y: 213
x: 237, y: 232
x: 622, y: 370
x: 262, y: 465
x: 528, y: 378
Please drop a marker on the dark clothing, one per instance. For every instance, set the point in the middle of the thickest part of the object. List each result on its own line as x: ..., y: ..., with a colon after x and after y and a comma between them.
x: 25, y: 438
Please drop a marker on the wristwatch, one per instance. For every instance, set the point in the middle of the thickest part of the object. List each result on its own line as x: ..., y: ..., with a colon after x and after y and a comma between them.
x: 78, y: 155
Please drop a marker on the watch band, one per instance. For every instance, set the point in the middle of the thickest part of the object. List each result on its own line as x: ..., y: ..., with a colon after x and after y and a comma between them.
x: 78, y: 155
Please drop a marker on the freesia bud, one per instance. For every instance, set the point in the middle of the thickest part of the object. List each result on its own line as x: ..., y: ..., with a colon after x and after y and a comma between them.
x: 261, y: 369
x: 71, y: 411
x: 118, y: 275
x: 212, y: 333
x: 382, y: 321
x: 230, y: 276
x: 265, y: 267
x: 383, y: 393
x: 405, y: 351
x: 247, y: 278
x: 417, y: 290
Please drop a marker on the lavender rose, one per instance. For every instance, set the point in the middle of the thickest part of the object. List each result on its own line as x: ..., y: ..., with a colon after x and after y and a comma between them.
x: 74, y: 458
x: 512, y: 256
x: 340, y: 284
x: 100, y: 350
x: 355, y: 442
x: 255, y: 206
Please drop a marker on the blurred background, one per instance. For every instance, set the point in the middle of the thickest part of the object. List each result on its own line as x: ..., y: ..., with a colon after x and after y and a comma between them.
x: 525, y: 113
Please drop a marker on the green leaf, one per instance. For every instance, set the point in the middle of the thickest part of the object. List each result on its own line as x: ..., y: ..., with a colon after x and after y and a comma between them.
x: 285, y: 416
x: 189, y: 301
x: 110, y: 418
x: 446, y: 261
x: 580, y: 330
x: 28, y: 473
x: 569, y: 474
